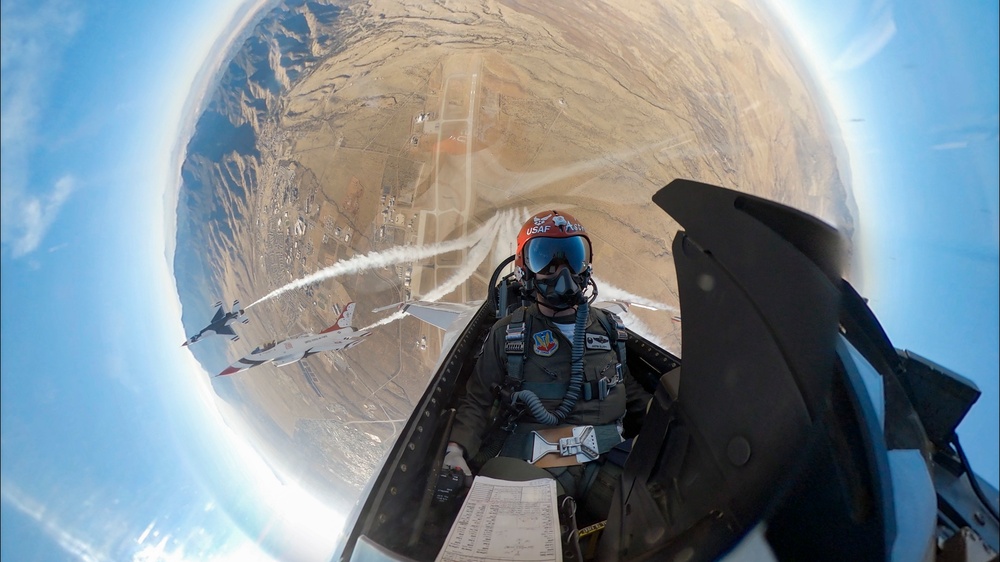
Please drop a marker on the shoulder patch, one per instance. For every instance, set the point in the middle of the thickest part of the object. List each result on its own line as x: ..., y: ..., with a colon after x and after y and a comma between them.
x: 598, y: 341
x: 545, y: 343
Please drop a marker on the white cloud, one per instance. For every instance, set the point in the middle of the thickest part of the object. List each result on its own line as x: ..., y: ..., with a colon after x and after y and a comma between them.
x: 34, y: 215
x: 34, y: 35
x: 874, y: 38
x: 950, y: 145
x: 70, y: 541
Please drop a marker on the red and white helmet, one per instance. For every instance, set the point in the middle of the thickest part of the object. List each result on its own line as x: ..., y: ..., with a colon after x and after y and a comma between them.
x: 548, y: 239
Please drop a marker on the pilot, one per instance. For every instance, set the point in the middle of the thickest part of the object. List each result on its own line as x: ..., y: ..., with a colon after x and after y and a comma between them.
x: 552, y: 370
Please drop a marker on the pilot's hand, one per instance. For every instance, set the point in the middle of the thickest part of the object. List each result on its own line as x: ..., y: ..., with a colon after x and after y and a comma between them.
x: 454, y: 457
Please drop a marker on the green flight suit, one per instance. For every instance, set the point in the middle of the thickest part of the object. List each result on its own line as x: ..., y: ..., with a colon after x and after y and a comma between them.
x: 547, y: 359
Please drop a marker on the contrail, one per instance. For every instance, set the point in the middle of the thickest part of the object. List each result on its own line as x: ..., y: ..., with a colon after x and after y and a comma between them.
x: 527, y: 182
x: 455, y: 281
x: 374, y: 421
x: 610, y: 292
x: 509, y: 224
x: 607, y: 291
x: 505, y: 226
x: 398, y: 315
x: 638, y: 326
x: 477, y: 254
x: 398, y: 254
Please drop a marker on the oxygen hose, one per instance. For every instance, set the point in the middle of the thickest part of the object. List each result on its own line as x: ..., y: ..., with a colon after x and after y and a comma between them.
x: 531, y: 400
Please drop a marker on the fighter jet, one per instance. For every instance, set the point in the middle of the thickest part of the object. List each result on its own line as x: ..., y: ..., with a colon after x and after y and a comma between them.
x: 794, y: 431
x: 220, y: 323
x: 341, y: 335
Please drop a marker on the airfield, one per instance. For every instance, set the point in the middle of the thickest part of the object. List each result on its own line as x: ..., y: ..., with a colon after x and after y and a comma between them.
x: 426, y: 122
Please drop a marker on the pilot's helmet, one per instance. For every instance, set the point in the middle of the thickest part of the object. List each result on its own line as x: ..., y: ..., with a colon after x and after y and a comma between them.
x: 550, y: 239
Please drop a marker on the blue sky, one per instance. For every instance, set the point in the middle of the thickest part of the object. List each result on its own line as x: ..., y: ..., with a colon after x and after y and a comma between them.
x: 111, y: 435
x: 916, y: 96
x: 108, y: 430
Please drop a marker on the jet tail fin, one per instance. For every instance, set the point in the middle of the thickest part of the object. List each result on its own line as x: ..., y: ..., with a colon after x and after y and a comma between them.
x: 345, y: 319
x: 234, y: 368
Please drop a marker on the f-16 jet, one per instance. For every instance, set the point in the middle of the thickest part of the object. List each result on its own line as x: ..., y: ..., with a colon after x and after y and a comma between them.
x: 220, y: 323
x: 341, y: 335
x: 794, y: 430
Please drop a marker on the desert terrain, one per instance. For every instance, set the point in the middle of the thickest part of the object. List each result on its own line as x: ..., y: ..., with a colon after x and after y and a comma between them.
x: 414, y: 125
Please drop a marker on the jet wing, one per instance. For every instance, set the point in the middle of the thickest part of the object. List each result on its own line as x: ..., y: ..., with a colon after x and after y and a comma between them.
x: 440, y: 314
x: 355, y: 339
x: 241, y: 365
x: 291, y: 358
x: 218, y: 314
x: 275, y: 352
x: 335, y: 341
x: 224, y: 330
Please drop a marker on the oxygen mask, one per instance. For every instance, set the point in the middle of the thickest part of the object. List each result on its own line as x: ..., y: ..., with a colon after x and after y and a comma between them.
x: 562, y: 291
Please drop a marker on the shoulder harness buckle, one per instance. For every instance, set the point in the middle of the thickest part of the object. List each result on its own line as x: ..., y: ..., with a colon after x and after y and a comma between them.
x: 622, y: 335
x: 514, y: 339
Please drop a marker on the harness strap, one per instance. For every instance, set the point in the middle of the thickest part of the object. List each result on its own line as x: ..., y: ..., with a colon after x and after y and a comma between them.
x: 519, y: 444
x: 615, y: 329
x: 514, y: 346
x: 591, y: 390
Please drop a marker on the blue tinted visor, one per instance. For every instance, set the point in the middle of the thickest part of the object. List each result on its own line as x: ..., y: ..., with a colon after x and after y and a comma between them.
x: 541, y: 254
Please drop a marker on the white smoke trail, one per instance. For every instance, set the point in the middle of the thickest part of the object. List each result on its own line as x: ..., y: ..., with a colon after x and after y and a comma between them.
x: 477, y: 254
x: 374, y: 421
x: 507, y: 234
x: 507, y: 230
x: 528, y: 182
x: 635, y: 324
x: 398, y: 315
x: 372, y: 260
x: 509, y: 222
x: 607, y: 291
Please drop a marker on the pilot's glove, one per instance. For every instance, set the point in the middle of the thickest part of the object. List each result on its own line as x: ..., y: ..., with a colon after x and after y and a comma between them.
x: 454, y: 457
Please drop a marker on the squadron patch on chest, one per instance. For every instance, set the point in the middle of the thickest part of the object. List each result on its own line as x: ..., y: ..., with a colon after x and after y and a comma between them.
x: 597, y: 341
x: 545, y: 343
